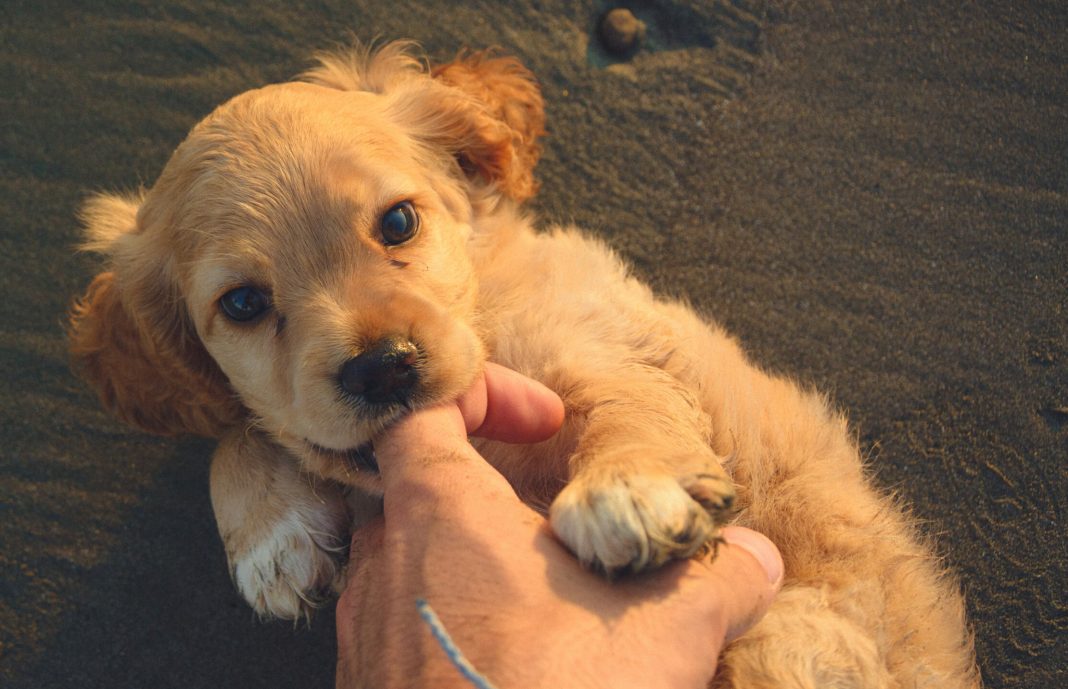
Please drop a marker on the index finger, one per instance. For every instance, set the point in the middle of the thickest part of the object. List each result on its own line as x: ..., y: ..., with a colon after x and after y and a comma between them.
x: 426, y: 455
x: 749, y: 568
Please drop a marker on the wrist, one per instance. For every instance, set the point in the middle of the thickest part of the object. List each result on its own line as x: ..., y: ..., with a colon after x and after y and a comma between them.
x: 462, y: 667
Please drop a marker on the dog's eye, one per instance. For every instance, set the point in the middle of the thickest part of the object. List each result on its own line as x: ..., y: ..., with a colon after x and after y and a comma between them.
x: 399, y: 224
x: 244, y: 303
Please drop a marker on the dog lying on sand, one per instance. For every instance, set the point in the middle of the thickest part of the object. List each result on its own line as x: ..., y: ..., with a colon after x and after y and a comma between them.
x: 320, y: 257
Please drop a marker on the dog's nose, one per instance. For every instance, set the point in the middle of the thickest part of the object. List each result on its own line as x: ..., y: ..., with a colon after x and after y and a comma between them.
x: 383, y: 373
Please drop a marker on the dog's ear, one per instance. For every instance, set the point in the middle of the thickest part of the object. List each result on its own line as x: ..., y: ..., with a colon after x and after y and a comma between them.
x: 484, y: 110
x: 499, y: 137
x: 132, y: 340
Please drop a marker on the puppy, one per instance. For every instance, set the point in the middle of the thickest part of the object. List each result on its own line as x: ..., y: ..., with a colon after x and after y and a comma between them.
x: 320, y: 257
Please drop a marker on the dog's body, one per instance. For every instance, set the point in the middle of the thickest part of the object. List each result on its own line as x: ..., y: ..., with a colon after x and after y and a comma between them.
x: 318, y: 258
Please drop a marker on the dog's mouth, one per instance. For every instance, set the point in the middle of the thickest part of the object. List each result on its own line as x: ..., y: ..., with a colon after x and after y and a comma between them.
x: 342, y: 464
x: 361, y: 458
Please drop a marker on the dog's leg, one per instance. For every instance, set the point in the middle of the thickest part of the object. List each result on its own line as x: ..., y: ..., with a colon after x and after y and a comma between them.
x: 865, y: 604
x: 804, y: 642
x: 645, y: 484
x: 285, y: 532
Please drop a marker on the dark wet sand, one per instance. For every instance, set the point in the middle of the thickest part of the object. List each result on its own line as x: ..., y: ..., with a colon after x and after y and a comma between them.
x: 872, y: 195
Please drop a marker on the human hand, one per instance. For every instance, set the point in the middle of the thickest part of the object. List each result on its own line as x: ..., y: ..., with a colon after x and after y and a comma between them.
x: 518, y: 605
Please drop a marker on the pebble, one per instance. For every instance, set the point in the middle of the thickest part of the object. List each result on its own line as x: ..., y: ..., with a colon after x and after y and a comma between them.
x: 621, y: 31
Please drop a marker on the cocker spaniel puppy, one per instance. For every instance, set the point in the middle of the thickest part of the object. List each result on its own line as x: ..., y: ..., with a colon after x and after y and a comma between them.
x: 320, y: 257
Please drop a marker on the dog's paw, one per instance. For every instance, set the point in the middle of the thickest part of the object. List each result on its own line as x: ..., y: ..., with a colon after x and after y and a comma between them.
x: 616, y: 521
x: 294, y: 568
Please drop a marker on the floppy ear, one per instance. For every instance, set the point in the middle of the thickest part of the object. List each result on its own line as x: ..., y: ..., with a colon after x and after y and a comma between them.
x: 132, y: 340
x: 485, y: 111
x: 504, y: 131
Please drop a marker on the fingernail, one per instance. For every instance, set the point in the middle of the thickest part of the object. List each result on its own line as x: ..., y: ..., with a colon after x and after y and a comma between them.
x: 757, y: 545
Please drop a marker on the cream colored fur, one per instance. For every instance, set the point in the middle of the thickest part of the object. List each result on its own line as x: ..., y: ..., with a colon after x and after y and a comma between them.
x: 670, y: 429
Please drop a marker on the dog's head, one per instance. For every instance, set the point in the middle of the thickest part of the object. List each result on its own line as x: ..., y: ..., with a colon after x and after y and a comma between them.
x: 302, y: 262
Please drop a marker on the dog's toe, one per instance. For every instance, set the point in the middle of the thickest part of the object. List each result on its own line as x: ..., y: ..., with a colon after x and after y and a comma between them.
x: 712, y: 491
x: 618, y: 522
x: 290, y: 572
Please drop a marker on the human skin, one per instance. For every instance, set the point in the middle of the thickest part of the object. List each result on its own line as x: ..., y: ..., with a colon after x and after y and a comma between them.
x: 518, y: 605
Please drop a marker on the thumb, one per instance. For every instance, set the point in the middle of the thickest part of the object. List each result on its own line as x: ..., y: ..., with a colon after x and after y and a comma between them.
x: 428, y: 449
x: 507, y: 406
x: 750, y: 569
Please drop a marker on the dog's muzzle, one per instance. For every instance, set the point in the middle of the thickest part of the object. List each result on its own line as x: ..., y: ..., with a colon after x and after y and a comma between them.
x: 384, y: 373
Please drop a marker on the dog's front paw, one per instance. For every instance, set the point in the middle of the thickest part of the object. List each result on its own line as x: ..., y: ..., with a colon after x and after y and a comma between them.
x: 617, y: 521
x: 294, y: 568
